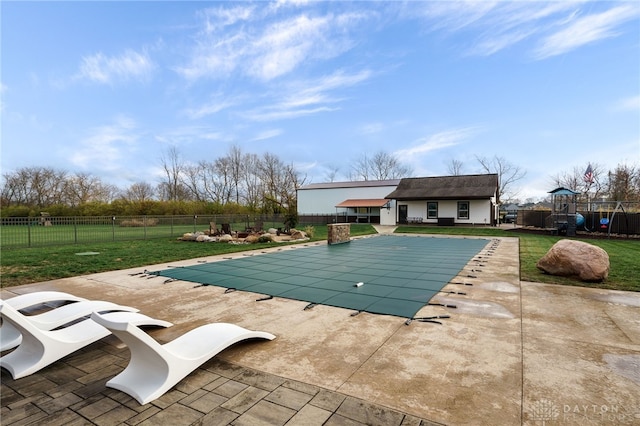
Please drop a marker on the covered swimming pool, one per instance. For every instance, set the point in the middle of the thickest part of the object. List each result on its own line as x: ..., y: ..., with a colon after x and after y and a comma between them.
x: 385, y: 274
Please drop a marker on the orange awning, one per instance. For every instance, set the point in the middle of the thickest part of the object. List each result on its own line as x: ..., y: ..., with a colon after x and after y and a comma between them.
x: 364, y: 202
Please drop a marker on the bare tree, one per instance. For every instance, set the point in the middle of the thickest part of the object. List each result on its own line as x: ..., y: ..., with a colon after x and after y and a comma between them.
x: 360, y: 170
x: 172, y: 187
x: 381, y: 166
x: 236, y: 170
x: 507, y: 173
x: 332, y: 174
x: 251, y: 181
x: 139, y: 192
x: 280, y: 183
x: 454, y: 167
x: 83, y: 188
x: 624, y: 183
x: 34, y: 187
x: 574, y: 179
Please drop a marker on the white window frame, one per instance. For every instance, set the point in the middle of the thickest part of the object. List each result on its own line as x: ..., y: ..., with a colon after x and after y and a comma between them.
x: 429, y: 216
x: 462, y: 211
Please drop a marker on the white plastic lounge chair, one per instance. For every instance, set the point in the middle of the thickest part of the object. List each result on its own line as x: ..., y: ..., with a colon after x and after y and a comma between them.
x: 39, y: 348
x: 23, y: 301
x: 155, y: 368
x: 10, y: 337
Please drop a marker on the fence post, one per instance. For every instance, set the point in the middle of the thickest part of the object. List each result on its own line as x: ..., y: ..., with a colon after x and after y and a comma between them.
x: 75, y: 229
x: 195, y: 219
x: 144, y: 226
x: 28, y: 231
x: 113, y: 228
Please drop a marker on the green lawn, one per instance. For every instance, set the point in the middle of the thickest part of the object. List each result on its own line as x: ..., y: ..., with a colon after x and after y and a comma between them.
x: 88, y: 231
x: 35, y: 264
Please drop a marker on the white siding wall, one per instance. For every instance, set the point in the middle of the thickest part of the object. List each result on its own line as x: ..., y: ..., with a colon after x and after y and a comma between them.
x: 479, y: 210
x: 388, y: 217
x: 324, y: 201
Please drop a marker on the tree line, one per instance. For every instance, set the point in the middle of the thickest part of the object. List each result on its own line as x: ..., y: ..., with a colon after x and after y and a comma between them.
x: 620, y: 184
x: 239, y: 182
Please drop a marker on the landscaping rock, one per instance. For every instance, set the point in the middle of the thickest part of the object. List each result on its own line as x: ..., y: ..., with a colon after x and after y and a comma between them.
x: 226, y: 238
x: 297, y: 235
x: 570, y: 258
x: 273, y: 231
x: 251, y: 239
x: 265, y: 238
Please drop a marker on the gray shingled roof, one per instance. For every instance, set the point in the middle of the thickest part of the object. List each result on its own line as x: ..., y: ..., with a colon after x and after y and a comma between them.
x: 446, y: 187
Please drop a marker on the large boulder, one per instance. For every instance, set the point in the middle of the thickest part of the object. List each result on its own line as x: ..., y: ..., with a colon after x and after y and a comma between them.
x: 570, y: 258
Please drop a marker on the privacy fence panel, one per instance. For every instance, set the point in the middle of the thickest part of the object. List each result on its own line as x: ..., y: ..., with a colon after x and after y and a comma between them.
x: 622, y: 223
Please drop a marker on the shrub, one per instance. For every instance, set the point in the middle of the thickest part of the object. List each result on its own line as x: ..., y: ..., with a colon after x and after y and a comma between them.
x: 135, y: 223
x: 309, y: 230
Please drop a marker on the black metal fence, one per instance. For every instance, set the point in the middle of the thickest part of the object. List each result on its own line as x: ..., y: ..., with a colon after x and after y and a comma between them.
x: 40, y: 231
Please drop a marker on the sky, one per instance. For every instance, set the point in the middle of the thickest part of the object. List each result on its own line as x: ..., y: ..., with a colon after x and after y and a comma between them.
x: 108, y: 88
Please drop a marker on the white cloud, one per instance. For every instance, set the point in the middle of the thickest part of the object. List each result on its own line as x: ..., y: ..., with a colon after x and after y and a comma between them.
x: 628, y: 104
x: 554, y: 27
x: 308, y: 97
x: 107, y: 147
x: 216, y: 104
x: 436, y: 142
x: 218, y: 18
x: 186, y: 135
x: 100, y: 68
x: 585, y: 30
x: 264, y: 44
x: 267, y: 134
x: 282, y: 114
x: 371, y: 128
x: 284, y: 45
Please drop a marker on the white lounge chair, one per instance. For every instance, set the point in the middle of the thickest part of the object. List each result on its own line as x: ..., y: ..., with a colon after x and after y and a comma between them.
x: 23, y: 301
x: 10, y: 337
x: 155, y: 368
x: 39, y: 348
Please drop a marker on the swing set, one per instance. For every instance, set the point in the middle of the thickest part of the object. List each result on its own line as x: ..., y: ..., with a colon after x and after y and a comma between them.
x: 607, y: 215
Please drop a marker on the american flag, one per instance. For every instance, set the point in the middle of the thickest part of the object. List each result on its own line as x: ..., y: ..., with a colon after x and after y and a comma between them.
x: 588, y: 175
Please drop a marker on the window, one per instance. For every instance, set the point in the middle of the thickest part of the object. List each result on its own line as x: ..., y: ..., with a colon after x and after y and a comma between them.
x: 463, y: 210
x: 432, y: 210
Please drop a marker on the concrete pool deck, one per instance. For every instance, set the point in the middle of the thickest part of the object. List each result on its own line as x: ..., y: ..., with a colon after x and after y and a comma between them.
x: 511, y: 352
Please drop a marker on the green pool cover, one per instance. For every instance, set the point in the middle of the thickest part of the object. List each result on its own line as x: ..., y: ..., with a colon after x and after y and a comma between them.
x: 400, y: 274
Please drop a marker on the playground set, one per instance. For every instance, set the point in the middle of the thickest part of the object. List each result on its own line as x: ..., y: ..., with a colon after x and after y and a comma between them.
x: 565, y: 218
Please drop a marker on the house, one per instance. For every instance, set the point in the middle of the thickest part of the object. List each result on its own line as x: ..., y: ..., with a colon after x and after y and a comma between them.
x: 447, y: 200
x: 510, y: 208
x: 444, y: 200
x: 356, y: 201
